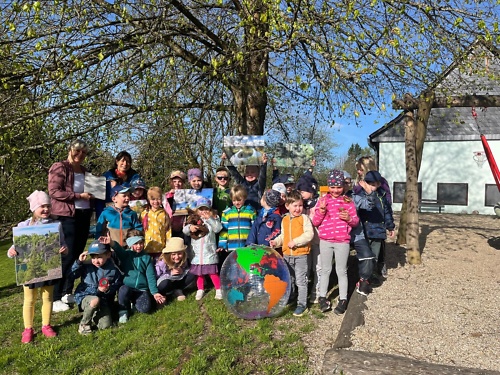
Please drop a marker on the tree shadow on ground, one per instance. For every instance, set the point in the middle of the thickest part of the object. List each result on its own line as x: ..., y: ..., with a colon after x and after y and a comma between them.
x: 494, y: 242
x: 8, y: 290
x: 395, y: 255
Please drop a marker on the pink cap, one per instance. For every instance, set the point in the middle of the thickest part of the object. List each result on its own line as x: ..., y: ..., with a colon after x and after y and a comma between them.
x: 38, y: 198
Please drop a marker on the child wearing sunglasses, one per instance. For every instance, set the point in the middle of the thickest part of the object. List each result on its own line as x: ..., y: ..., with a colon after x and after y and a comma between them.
x: 222, y: 199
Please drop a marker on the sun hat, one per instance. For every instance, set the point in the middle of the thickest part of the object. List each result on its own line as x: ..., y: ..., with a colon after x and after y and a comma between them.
x: 173, y: 245
x: 178, y: 174
x: 38, y: 198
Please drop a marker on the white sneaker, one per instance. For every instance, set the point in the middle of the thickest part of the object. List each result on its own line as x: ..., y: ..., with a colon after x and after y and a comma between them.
x: 199, y: 294
x: 68, y: 298
x: 218, y: 294
x: 180, y: 296
x: 122, y: 317
x: 58, y: 306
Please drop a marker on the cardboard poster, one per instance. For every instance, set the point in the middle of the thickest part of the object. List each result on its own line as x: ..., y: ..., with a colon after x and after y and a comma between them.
x: 138, y: 205
x: 95, y: 185
x: 187, y: 198
x: 38, y: 253
x: 244, y: 150
x: 293, y: 155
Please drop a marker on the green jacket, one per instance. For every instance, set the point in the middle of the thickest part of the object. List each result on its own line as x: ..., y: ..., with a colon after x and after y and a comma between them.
x: 138, y: 269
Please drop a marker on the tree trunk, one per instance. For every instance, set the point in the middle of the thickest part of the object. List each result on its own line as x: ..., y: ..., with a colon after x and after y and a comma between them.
x: 412, y: 229
x: 251, y: 93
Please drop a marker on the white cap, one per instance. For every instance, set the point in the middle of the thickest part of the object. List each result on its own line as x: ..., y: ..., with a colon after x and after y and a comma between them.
x: 279, y: 187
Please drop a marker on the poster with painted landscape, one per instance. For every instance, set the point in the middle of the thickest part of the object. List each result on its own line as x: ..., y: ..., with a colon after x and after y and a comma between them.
x: 293, y: 155
x: 187, y: 198
x: 38, y: 253
x: 244, y: 150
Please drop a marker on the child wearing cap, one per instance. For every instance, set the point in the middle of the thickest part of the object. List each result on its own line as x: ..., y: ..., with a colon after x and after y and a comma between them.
x: 172, y: 269
x: 375, y: 213
x: 205, y: 258
x: 254, y: 180
x: 267, y: 225
x: 195, y: 179
x: 40, y: 207
x: 99, y: 282
x: 156, y: 223
x: 334, y: 216
x: 139, y: 278
x: 295, y: 237
x: 119, y: 218
x: 138, y: 193
x: 281, y: 188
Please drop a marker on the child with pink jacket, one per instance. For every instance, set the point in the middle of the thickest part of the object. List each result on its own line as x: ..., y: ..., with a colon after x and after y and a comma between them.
x: 335, y: 216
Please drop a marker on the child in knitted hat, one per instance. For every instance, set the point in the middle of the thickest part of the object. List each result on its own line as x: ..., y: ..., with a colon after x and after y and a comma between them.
x: 267, y: 225
x: 195, y: 179
x: 40, y: 206
x: 335, y: 216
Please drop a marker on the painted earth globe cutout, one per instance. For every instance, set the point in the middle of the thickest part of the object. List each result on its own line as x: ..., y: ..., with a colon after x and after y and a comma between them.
x: 255, y: 282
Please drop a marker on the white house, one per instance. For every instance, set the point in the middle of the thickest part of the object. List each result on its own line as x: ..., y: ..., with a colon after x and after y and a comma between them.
x: 450, y: 170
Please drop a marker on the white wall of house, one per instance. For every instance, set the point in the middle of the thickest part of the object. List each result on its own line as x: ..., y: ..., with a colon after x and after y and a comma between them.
x: 443, y: 162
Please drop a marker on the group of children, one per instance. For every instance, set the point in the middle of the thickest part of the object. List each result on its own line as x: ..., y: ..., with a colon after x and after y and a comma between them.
x: 145, y: 258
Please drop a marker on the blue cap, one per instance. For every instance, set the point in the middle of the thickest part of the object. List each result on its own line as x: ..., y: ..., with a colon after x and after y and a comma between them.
x: 120, y: 189
x: 133, y: 240
x: 96, y: 248
x: 203, y: 202
x: 373, y: 176
x: 137, y: 183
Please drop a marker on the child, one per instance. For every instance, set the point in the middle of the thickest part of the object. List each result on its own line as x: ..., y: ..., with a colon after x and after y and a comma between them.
x: 375, y: 212
x: 40, y: 206
x: 296, y: 235
x: 156, y: 223
x: 195, y: 179
x: 363, y: 166
x: 97, y: 289
x: 222, y: 199
x: 172, y: 269
x: 267, y: 225
x: 139, y: 281
x: 119, y: 218
x: 335, y: 216
x: 177, y: 179
x: 138, y: 193
x: 308, y: 188
x: 205, y: 249
x: 236, y: 223
x: 254, y: 180
x: 280, y: 187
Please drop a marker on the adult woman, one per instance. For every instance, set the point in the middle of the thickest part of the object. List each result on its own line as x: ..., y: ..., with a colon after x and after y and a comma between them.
x: 72, y: 207
x: 120, y: 174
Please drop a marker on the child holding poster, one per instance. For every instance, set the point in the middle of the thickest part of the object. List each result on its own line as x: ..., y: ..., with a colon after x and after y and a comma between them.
x: 40, y: 206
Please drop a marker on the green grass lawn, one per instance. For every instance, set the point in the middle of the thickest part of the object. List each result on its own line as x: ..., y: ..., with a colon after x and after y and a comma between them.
x: 187, y: 337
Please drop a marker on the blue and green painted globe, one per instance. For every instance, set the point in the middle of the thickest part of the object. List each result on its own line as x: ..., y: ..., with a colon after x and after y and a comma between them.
x: 255, y: 282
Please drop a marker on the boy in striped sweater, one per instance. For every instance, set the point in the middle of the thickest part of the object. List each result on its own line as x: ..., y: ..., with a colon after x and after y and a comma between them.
x: 236, y: 222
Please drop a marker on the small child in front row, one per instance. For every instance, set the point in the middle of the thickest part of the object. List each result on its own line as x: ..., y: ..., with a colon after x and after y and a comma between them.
x: 205, y: 259
x: 296, y: 235
x: 99, y: 283
x: 335, y: 216
x: 40, y: 206
x: 172, y: 269
x: 139, y: 281
x: 267, y: 225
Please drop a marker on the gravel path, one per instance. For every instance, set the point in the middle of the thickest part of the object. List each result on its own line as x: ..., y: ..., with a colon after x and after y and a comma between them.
x: 444, y: 311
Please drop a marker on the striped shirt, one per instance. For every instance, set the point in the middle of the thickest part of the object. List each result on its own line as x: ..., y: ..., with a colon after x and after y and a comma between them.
x: 236, y: 224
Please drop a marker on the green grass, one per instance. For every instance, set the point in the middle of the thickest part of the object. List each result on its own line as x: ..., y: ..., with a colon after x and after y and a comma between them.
x: 182, y: 338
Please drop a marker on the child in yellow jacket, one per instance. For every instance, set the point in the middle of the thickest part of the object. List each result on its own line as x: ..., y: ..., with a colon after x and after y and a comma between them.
x: 156, y: 224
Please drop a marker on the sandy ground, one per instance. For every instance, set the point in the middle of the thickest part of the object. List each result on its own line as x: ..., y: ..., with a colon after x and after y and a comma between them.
x: 444, y: 311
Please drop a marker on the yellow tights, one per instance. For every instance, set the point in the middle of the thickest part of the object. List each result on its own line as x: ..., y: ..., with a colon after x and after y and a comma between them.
x: 30, y: 296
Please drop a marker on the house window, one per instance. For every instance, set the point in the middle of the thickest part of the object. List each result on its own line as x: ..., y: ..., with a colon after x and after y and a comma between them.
x: 491, y: 195
x: 455, y: 194
x: 398, y: 191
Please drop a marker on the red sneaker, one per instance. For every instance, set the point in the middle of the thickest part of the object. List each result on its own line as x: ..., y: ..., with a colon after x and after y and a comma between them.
x: 48, y: 331
x: 27, y: 335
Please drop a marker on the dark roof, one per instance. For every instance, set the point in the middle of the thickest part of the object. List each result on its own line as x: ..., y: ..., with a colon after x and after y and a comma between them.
x: 458, y: 124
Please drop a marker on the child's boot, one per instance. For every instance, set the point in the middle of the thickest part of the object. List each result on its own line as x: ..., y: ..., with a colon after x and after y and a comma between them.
x: 123, y: 316
x: 199, y: 294
x: 218, y: 294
